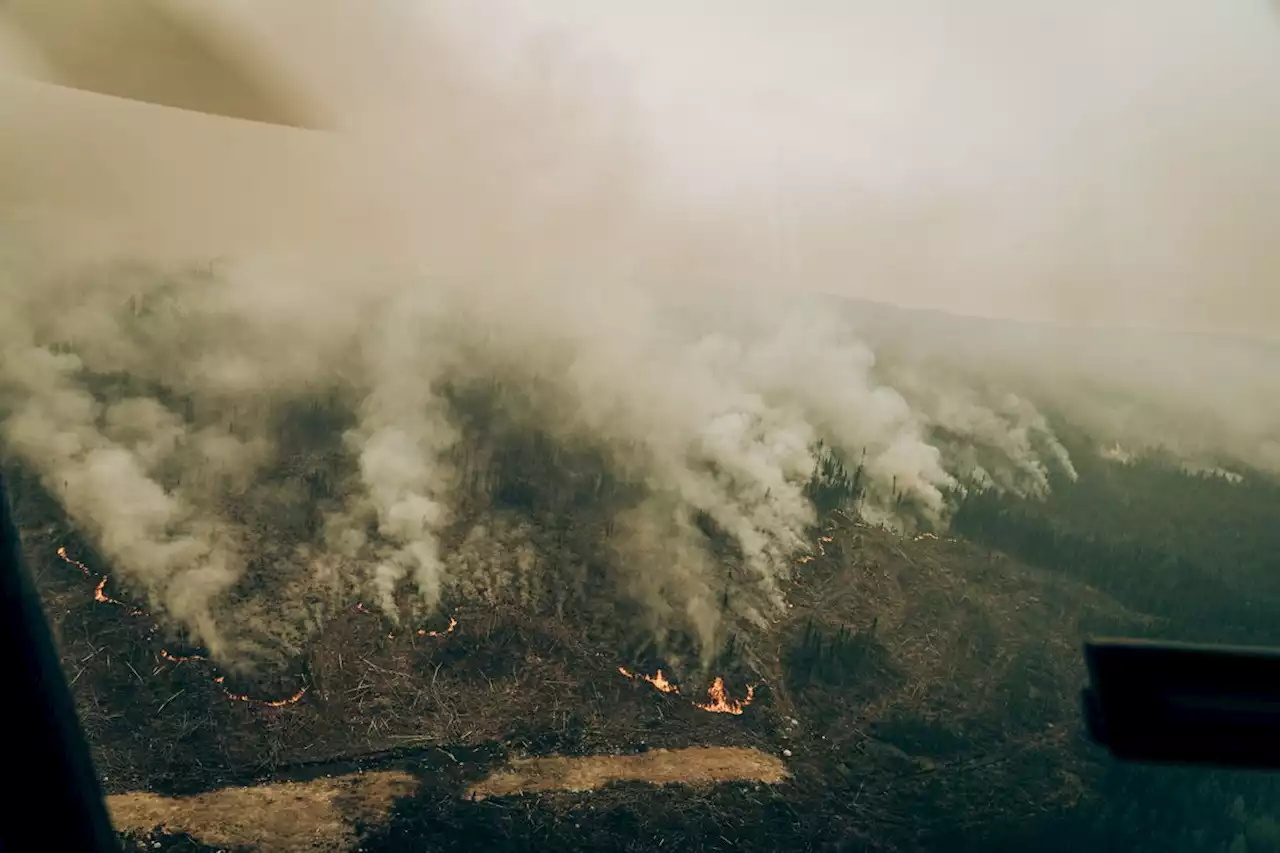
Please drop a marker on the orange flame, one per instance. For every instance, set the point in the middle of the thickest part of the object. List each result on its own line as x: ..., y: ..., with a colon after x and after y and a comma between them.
x: 172, y: 658
x: 62, y: 552
x: 721, y: 703
x: 100, y: 595
x: 245, y: 697
x: 268, y: 703
x: 421, y: 632
x: 920, y: 537
x: 99, y: 591
x: 822, y: 542
x: 453, y: 623
x: 658, y: 680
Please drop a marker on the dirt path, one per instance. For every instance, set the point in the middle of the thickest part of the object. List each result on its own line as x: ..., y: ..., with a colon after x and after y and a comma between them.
x: 700, y: 765
x: 322, y: 814
x: 285, y: 816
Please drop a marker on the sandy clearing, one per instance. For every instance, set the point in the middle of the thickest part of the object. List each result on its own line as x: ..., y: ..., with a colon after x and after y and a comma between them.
x: 273, y: 818
x: 697, y: 766
x: 321, y: 815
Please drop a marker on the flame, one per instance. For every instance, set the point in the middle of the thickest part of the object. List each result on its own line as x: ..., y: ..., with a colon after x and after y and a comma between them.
x: 100, y: 595
x: 453, y: 623
x: 236, y: 697
x: 920, y: 537
x: 62, y: 552
x: 822, y: 542
x: 658, y: 680
x: 421, y: 632
x: 269, y: 703
x: 99, y: 591
x: 721, y: 703
x: 172, y: 658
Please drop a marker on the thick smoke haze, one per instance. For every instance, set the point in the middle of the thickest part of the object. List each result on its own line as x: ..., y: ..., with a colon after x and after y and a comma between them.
x: 1083, y: 165
x: 270, y: 372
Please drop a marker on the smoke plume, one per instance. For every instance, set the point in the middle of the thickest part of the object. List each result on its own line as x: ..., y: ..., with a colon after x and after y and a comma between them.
x: 467, y: 350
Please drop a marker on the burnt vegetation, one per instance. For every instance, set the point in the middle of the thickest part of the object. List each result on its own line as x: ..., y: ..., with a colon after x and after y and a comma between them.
x: 924, y: 691
x: 839, y: 657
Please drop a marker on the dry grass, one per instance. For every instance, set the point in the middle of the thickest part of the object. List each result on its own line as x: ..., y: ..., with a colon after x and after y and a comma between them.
x: 319, y: 815
x: 322, y: 815
x: 971, y: 643
x: 959, y: 624
x: 697, y: 766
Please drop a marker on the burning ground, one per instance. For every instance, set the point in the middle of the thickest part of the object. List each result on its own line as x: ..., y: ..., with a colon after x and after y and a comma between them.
x: 744, y: 547
x: 888, y: 685
x: 480, y: 445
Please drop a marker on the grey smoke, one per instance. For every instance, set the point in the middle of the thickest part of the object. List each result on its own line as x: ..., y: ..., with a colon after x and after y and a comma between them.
x: 486, y: 237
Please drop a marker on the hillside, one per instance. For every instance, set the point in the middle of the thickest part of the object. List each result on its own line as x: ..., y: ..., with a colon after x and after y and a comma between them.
x: 914, y: 682
x: 1200, y: 548
x: 1198, y: 551
x: 555, y: 604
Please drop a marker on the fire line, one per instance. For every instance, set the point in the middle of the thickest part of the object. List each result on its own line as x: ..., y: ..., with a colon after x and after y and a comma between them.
x: 421, y: 632
x: 719, y: 703
x: 718, y: 699
x: 99, y: 595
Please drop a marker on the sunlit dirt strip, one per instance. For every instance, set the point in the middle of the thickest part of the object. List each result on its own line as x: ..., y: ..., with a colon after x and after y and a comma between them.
x: 325, y: 814
x: 698, y: 766
x: 99, y: 595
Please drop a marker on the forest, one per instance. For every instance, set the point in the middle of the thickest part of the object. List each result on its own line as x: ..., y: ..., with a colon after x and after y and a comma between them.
x: 1192, y: 552
x: 1200, y: 552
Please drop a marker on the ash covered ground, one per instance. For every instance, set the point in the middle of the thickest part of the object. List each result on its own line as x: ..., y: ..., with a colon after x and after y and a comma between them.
x: 382, y: 594
x: 376, y: 530
x: 917, y: 690
x: 892, y: 683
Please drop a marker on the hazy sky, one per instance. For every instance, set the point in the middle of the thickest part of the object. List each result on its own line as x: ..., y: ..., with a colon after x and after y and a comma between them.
x: 1077, y: 161
x: 1109, y: 163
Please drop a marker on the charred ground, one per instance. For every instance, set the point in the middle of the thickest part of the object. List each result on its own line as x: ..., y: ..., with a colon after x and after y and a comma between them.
x: 925, y: 689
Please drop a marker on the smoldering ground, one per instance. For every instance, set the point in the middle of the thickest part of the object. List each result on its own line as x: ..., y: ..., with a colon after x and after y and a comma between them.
x: 468, y: 351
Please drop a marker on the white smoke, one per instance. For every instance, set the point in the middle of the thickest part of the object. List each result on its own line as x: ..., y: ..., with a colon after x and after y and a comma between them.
x: 183, y: 558
x: 401, y: 440
x: 490, y: 242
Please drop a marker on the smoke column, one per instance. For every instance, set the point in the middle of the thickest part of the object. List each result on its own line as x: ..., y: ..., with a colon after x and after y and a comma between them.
x: 288, y: 369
